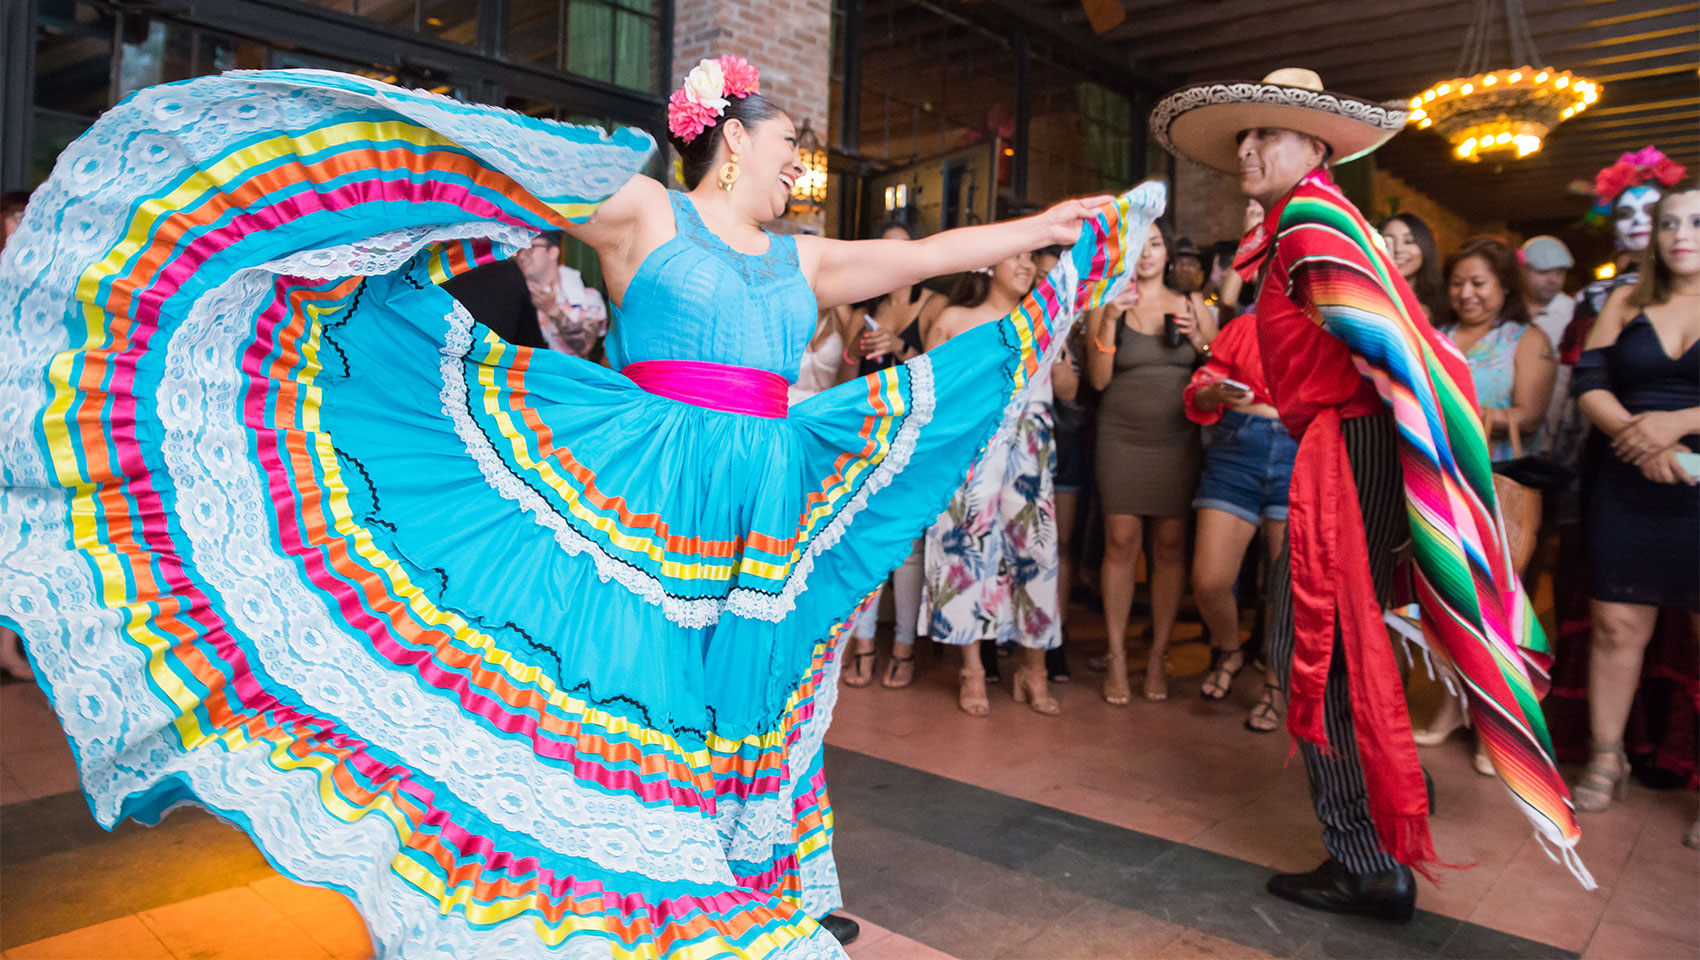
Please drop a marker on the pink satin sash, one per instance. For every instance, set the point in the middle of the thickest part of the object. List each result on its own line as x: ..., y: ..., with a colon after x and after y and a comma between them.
x: 717, y: 386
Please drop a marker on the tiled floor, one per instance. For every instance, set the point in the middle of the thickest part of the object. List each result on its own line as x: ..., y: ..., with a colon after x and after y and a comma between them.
x: 1142, y: 831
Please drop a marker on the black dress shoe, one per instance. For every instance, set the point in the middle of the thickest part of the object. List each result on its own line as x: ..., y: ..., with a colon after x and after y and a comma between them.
x: 1389, y: 895
x: 842, y: 928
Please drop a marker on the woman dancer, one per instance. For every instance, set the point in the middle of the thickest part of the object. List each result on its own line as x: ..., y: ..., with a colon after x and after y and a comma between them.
x: 992, y: 555
x: 513, y: 649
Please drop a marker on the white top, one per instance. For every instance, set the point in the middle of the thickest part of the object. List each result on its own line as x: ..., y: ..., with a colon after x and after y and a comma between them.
x: 1554, y: 317
x: 820, y: 368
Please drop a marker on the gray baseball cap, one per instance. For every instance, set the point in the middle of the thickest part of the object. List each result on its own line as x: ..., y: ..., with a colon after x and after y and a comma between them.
x: 1547, y: 253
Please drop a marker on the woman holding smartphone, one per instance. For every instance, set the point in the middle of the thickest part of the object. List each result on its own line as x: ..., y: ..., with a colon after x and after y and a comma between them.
x: 1144, y: 347
x: 1639, y: 382
x: 1244, y: 486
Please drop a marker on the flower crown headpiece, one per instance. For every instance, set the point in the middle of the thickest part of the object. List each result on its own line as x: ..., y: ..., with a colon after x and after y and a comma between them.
x: 1632, y: 170
x: 707, y: 91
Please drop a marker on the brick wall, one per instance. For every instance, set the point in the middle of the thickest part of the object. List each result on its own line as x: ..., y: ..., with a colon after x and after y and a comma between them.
x: 790, y: 41
x: 1206, y: 205
x: 1450, y: 229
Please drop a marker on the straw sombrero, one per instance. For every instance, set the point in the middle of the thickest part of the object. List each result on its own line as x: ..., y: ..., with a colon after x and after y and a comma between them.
x: 1200, y: 120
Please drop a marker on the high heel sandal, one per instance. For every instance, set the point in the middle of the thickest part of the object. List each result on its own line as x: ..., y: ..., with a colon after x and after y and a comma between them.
x: 1219, y: 679
x: 1046, y: 705
x: 1600, y: 785
x: 1161, y: 691
x: 857, y: 676
x: 1116, y: 691
x: 891, y: 681
x: 1266, y: 716
x: 973, y: 703
x: 1434, y: 735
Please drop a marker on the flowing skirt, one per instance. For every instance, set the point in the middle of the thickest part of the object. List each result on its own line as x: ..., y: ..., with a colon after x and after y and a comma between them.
x: 524, y: 660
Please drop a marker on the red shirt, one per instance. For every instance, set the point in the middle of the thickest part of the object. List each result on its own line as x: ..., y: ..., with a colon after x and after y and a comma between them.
x: 1234, y: 355
x: 1306, y: 368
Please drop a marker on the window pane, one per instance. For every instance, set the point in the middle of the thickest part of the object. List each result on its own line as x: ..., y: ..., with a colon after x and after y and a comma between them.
x: 589, y: 26
x: 216, y: 54
x: 534, y: 32
x: 395, y: 13
x: 51, y: 133
x: 166, y: 52
x: 634, y: 51
x: 73, y: 59
x: 453, y: 20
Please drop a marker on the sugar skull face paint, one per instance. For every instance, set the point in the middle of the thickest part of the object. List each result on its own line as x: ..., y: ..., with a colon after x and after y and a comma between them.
x: 1632, y: 217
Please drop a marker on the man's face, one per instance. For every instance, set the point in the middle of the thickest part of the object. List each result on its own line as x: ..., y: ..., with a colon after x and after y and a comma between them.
x: 1544, y: 284
x: 1273, y: 160
x: 1632, y: 218
x: 538, y: 260
x: 1189, y: 274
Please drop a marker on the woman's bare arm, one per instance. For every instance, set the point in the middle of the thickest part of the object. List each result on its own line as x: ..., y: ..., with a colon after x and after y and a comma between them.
x: 845, y: 271
x: 1602, y: 406
x: 1065, y: 383
x: 1533, y: 371
x: 625, y: 229
x: 1101, y: 344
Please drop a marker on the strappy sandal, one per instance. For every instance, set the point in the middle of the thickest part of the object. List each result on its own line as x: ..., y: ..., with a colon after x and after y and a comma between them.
x: 1219, y: 679
x: 1116, y: 692
x: 1601, y: 784
x: 892, y: 681
x: 1266, y: 716
x: 861, y: 673
x: 973, y: 702
x: 1158, y: 692
x: 1023, y: 693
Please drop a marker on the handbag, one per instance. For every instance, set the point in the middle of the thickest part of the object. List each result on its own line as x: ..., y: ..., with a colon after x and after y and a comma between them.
x: 1519, y: 502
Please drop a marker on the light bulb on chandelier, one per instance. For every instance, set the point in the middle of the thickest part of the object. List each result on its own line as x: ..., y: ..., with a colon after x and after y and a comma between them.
x: 1509, y: 111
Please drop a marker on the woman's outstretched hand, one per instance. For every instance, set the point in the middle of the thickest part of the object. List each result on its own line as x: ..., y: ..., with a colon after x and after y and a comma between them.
x: 1060, y: 225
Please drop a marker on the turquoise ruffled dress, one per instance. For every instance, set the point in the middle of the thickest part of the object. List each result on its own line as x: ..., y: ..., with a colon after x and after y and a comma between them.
x: 525, y: 660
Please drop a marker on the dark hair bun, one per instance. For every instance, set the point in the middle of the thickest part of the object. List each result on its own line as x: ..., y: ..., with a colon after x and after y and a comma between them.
x: 698, y: 155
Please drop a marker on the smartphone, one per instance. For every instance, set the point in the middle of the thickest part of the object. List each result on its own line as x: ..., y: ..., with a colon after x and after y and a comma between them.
x: 1230, y: 381
x: 872, y: 324
x: 1689, y: 462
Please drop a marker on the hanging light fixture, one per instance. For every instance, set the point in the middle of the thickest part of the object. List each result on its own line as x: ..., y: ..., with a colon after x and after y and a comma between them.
x: 810, y: 188
x: 1507, y: 110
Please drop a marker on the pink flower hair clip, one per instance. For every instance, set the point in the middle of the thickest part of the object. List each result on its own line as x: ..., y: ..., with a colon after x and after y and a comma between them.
x: 708, y: 89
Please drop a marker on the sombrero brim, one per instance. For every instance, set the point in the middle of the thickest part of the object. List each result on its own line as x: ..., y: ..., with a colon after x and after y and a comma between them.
x: 1201, y: 120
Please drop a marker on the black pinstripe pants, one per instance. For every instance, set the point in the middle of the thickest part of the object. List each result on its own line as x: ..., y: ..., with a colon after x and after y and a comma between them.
x: 1337, y: 779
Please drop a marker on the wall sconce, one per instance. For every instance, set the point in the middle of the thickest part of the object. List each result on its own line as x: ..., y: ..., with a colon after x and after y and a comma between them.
x: 810, y: 188
x: 896, y: 198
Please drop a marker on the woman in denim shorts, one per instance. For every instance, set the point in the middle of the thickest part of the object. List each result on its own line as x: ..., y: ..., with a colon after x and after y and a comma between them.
x: 1243, y: 486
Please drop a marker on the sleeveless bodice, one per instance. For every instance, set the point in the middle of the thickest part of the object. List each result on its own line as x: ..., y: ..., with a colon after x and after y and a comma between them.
x: 1644, y: 377
x: 696, y: 298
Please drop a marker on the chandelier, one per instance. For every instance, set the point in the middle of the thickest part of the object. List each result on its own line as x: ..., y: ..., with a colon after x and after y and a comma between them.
x: 1508, y: 110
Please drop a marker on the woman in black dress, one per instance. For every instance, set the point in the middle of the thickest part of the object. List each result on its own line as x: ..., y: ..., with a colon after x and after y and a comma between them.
x: 1639, y: 383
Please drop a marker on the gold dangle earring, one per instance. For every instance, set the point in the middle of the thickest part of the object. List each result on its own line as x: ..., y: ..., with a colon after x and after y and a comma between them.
x: 729, y: 173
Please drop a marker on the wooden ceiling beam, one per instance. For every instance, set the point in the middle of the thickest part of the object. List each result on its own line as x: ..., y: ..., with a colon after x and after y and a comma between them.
x: 1640, y: 107
x: 1369, y: 77
x: 1565, y: 44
